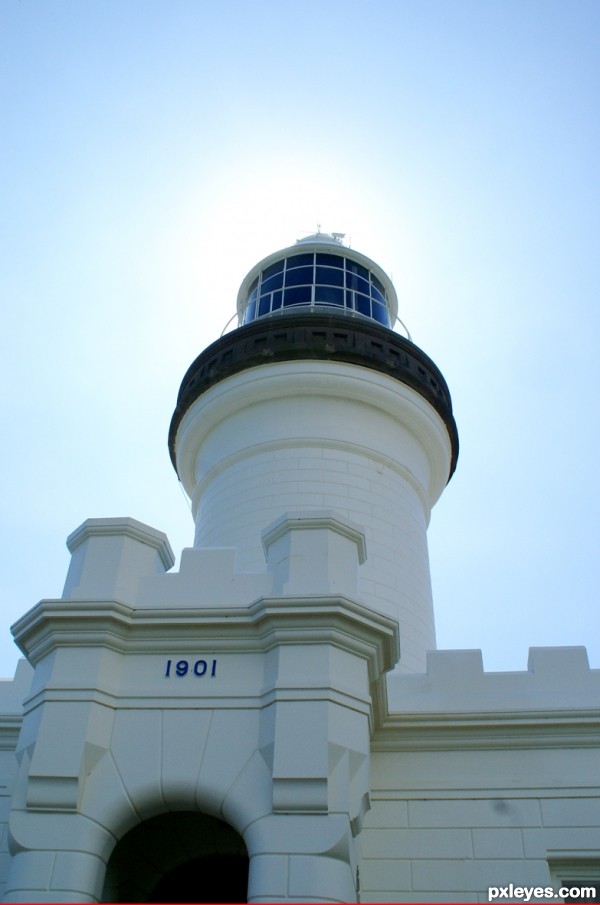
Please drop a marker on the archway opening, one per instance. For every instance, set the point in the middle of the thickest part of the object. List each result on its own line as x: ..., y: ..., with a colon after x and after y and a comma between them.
x: 178, y: 857
x: 220, y: 878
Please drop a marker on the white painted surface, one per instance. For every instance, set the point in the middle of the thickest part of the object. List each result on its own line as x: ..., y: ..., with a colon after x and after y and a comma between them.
x: 273, y: 739
x: 470, y: 780
x: 251, y: 685
x: 303, y: 435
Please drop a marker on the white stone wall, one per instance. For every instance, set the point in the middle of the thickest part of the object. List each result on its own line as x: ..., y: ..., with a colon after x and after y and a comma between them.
x: 434, y: 836
x: 483, y: 779
x: 473, y: 779
x: 266, y: 728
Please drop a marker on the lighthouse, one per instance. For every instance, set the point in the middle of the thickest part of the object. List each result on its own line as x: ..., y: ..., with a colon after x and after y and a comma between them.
x: 315, y: 403
x: 231, y: 704
x: 272, y: 722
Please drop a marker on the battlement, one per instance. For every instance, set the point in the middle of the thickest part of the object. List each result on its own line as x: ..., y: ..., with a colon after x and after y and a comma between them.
x: 557, y: 678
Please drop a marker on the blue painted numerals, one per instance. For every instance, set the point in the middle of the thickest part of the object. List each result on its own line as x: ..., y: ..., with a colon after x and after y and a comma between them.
x: 196, y: 668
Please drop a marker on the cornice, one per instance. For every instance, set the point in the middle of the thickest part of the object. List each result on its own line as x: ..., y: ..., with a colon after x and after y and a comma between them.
x: 316, y: 337
x: 316, y: 520
x: 123, y: 527
x: 547, y: 728
x: 332, y: 619
x: 268, y: 622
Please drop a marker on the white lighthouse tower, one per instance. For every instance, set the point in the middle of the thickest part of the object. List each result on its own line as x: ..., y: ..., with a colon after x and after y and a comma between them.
x: 316, y: 406
x: 205, y: 735
x: 272, y: 722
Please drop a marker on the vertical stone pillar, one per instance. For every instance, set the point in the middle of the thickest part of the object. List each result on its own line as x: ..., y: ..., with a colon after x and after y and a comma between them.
x: 302, y: 858
x: 315, y: 725
x: 110, y: 555
x: 58, y: 855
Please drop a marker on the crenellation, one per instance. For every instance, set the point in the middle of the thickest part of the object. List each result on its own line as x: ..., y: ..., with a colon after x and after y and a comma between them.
x: 455, y: 681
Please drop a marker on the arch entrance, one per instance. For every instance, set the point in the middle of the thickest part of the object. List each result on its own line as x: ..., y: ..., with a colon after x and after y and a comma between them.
x: 178, y: 857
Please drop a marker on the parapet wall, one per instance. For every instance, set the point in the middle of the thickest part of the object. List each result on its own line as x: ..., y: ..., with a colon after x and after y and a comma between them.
x: 556, y: 679
x: 482, y: 779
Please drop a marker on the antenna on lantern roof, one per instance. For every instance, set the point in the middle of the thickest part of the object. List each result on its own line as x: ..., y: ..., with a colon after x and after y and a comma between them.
x: 325, y: 238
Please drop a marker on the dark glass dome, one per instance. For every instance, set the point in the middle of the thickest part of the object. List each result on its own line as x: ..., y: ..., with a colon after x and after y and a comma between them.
x: 321, y: 274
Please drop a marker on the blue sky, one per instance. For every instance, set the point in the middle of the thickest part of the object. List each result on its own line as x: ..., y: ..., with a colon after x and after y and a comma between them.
x: 152, y: 152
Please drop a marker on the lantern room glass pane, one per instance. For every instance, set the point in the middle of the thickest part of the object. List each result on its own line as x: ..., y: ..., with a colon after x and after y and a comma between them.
x: 264, y: 305
x: 300, y: 260
x: 332, y: 276
x: 329, y: 295
x: 380, y: 313
x: 297, y: 295
x: 274, y: 282
x: 298, y: 276
x: 358, y: 269
x: 377, y: 284
x: 377, y: 295
x: 355, y: 282
x: 362, y: 304
x: 274, y: 268
x: 330, y: 260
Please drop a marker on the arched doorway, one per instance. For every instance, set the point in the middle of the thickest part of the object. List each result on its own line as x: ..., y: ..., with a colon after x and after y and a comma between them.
x: 221, y: 878
x: 178, y: 857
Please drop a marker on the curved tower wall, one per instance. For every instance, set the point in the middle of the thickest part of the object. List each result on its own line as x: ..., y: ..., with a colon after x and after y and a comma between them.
x: 313, y: 409
x: 304, y: 435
